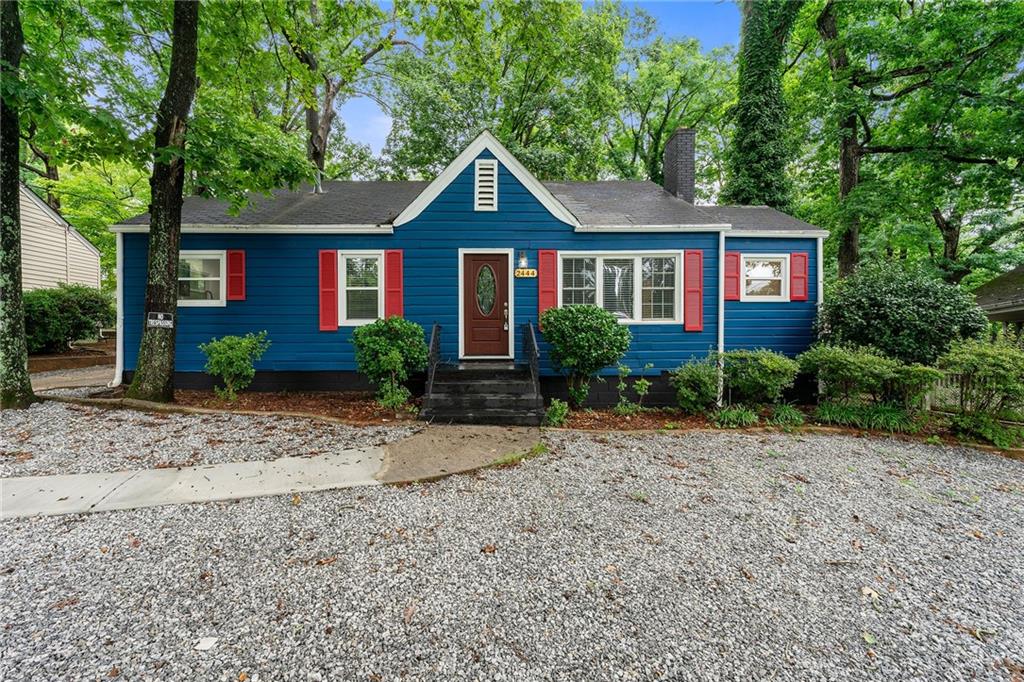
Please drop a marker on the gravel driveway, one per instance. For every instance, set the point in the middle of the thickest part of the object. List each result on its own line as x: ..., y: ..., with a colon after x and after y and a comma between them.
x: 61, y: 438
x: 695, y: 556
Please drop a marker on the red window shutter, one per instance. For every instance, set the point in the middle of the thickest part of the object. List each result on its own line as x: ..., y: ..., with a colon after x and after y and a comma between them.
x: 393, y: 283
x: 236, y: 276
x: 732, y: 275
x: 328, y: 290
x: 693, y: 291
x: 547, y: 280
x: 798, y: 277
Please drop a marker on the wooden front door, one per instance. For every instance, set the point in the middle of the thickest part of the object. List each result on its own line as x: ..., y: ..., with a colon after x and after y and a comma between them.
x: 485, y: 305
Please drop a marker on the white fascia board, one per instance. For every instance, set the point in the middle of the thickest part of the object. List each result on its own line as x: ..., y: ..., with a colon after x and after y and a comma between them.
x: 796, y: 234
x: 486, y: 141
x: 267, y: 229
x: 708, y: 227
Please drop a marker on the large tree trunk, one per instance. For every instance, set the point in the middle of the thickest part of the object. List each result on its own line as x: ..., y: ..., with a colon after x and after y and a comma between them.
x: 15, y: 386
x: 950, y: 227
x: 849, y: 144
x: 154, y: 373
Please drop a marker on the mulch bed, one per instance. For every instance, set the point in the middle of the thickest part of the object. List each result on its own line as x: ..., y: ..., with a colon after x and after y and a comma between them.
x: 354, y: 407
x: 648, y: 420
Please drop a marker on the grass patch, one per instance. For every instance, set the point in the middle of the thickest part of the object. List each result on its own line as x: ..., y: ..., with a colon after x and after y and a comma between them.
x: 735, y: 417
x: 872, y: 417
x: 516, y: 458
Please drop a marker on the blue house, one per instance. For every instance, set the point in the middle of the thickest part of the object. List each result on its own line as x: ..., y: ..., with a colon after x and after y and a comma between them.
x: 474, y: 256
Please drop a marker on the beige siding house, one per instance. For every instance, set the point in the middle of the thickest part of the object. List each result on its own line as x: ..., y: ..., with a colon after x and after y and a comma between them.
x: 51, y: 250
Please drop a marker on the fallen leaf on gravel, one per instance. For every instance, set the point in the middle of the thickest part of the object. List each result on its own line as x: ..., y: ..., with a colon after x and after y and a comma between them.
x: 134, y: 541
x: 857, y: 544
x: 747, y: 574
x: 978, y: 534
x: 868, y: 637
x: 409, y: 612
x: 242, y: 677
x: 64, y: 603
x: 876, y: 600
x: 489, y: 549
x: 326, y: 561
x: 296, y: 499
x: 104, y: 550
x: 114, y: 672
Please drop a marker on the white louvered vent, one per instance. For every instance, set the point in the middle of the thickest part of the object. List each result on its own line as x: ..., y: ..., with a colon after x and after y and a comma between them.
x: 485, y: 187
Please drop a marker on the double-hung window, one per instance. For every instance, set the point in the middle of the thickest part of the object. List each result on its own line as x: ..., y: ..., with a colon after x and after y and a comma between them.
x: 633, y: 287
x: 765, y: 278
x: 201, y: 278
x: 362, y: 287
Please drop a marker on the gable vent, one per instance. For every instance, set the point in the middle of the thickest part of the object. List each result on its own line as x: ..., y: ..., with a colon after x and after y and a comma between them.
x: 485, y: 187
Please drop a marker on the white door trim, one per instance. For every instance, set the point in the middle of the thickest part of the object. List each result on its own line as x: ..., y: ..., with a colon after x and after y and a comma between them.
x: 511, y: 306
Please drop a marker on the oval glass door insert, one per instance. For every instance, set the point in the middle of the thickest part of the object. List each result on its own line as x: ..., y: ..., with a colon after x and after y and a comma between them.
x: 485, y: 290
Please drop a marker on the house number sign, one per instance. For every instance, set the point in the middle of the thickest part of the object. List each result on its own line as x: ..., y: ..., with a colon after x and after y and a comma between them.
x: 164, y: 320
x: 526, y: 272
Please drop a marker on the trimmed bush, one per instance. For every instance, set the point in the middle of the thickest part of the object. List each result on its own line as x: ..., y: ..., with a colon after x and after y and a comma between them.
x: 387, y: 353
x: 584, y: 339
x: 904, y: 312
x: 232, y: 359
x: 992, y: 375
x: 849, y: 374
x: 757, y: 377
x: 54, y: 318
x: 696, y: 384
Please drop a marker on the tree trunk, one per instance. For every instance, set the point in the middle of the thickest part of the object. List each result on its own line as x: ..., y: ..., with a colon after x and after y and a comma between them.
x: 950, y: 228
x: 318, y: 127
x: 154, y: 373
x: 849, y: 145
x: 15, y: 386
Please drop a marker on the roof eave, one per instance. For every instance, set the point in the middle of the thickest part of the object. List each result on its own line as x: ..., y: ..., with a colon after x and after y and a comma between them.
x: 697, y: 227
x: 206, y: 228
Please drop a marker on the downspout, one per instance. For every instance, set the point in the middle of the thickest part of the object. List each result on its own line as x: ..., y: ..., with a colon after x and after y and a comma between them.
x: 119, y: 299
x: 821, y: 273
x: 721, y: 314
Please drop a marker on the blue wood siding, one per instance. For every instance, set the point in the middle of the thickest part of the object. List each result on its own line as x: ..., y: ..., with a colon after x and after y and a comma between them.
x: 786, y: 327
x: 282, y: 295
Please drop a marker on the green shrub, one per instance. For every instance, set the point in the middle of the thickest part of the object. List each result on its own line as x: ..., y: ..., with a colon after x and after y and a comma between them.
x: 54, y: 318
x: 848, y: 373
x: 786, y: 415
x: 992, y: 375
x: 878, y: 417
x: 986, y: 427
x: 584, y: 339
x: 904, y: 312
x: 696, y: 384
x: 232, y: 358
x: 558, y: 412
x: 735, y: 417
x: 387, y: 352
x: 757, y: 376
x: 641, y: 386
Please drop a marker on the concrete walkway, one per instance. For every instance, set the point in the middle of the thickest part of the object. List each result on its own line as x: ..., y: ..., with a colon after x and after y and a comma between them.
x: 100, y: 375
x: 78, y: 493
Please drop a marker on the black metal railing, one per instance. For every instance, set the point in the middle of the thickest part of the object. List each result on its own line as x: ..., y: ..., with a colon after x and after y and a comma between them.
x: 532, y: 353
x: 433, y: 356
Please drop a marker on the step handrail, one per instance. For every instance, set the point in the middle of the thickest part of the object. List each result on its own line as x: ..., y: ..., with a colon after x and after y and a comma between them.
x: 532, y: 353
x: 433, y: 356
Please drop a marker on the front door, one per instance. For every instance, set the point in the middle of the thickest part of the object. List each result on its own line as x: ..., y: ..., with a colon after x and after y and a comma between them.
x: 485, y: 310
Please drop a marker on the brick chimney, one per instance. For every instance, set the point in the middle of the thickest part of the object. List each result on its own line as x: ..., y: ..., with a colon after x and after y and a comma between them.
x: 678, y: 163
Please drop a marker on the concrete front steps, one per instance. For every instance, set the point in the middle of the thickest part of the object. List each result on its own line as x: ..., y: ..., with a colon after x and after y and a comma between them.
x: 483, y: 393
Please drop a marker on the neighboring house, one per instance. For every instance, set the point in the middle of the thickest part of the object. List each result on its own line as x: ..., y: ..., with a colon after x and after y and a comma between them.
x: 1002, y: 298
x: 51, y: 250
x: 481, y: 250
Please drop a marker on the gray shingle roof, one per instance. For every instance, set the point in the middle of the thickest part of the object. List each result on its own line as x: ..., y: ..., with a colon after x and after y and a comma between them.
x: 626, y: 202
x: 602, y: 203
x: 1003, y: 291
x: 342, y: 203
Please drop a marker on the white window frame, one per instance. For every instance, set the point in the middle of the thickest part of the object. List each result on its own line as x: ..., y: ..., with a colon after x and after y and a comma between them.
x: 750, y: 298
x: 493, y: 164
x: 637, y: 256
x: 223, y: 278
x: 343, y: 256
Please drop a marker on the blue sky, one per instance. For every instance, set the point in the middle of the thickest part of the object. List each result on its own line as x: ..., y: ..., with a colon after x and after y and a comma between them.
x: 714, y: 23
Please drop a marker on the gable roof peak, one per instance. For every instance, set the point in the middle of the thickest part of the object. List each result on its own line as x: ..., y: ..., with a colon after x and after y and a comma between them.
x: 487, y: 141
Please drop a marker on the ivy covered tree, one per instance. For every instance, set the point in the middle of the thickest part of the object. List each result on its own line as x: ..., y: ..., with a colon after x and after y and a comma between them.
x: 15, y: 386
x: 760, y: 149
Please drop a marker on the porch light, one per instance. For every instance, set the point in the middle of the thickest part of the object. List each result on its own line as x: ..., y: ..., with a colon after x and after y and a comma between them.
x: 523, y: 261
